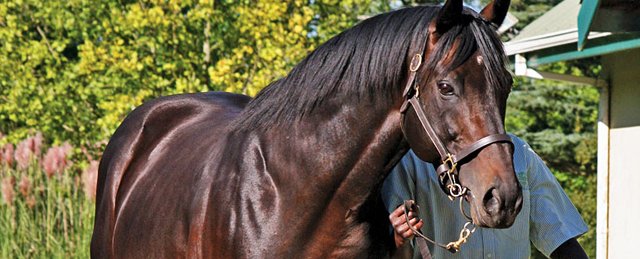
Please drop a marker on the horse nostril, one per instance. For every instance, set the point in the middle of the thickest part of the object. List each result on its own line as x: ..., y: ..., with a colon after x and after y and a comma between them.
x: 491, y: 201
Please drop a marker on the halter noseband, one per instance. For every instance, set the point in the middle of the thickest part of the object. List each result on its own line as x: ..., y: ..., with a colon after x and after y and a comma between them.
x: 449, y: 166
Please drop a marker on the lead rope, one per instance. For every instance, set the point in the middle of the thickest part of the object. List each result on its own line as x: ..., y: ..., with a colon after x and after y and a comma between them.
x: 453, y: 246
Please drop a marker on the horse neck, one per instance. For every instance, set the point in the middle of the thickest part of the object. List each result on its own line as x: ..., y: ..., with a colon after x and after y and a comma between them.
x: 340, y: 153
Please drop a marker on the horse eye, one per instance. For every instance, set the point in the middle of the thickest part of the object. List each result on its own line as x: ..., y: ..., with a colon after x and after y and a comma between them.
x: 445, y: 89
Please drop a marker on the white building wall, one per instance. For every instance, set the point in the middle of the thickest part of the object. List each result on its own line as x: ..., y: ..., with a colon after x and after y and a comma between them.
x: 623, y: 218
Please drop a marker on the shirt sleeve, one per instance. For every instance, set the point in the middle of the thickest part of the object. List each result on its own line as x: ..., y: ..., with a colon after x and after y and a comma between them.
x: 554, y: 219
x: 400, y: 183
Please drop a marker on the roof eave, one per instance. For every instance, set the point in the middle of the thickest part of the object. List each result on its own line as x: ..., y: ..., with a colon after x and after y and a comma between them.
x: 585, y: 19
x: 547, y: 41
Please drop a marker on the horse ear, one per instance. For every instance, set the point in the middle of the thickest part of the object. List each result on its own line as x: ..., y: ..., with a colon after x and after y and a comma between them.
x: 448, y: 16
x: 496, y: 11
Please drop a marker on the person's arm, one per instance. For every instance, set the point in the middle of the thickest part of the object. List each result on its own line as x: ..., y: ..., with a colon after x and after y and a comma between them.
x: 569, y: 249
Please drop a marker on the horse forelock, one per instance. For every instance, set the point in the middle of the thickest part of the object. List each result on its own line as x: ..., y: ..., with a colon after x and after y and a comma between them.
x: 365, y: 61
x: 472, y: 33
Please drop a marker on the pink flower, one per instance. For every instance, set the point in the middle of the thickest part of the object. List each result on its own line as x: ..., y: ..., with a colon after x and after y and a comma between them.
x: 55, y: 160
x: 7, y: 190
x: 6, y: 154
x: 23, y: 153
x: 27, y: 148
x: 90, y: 179
x: 24, y: 185
x: 36, y: 144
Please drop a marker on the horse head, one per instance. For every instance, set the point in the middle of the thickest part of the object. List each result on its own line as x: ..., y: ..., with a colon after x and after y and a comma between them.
x: 455, y: 110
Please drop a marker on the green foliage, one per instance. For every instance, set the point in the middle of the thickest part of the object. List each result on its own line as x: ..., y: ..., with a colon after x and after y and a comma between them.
x: 74, y: 69
x: 558, y: 120
x: 582, y: 192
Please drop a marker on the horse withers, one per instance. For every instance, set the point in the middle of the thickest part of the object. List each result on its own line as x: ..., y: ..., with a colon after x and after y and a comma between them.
x: 296, y: 172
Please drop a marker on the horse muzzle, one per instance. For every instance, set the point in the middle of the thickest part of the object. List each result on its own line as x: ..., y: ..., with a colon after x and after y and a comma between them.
x: 497, y: 207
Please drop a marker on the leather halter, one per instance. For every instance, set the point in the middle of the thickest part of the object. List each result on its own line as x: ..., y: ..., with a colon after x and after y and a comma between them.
x: 448, y: 167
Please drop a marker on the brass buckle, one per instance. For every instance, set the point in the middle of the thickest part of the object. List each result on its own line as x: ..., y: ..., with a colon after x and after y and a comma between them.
x: 455, y: 189
x: 412, y: 67
x: 450, y: 161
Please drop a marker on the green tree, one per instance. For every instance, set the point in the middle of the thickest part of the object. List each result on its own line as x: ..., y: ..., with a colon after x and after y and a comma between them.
x: 74, y: 69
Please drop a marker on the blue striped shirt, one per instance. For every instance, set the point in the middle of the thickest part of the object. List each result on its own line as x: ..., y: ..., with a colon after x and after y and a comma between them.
x: 547, y: 219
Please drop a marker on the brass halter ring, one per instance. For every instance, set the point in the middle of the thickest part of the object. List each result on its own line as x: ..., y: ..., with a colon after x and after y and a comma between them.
x: 455, y: 190
x: 414, y: 67
x: 462, y: 211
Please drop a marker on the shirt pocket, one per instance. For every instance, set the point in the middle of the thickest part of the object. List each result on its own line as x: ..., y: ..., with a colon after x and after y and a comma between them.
x: 520, y: 228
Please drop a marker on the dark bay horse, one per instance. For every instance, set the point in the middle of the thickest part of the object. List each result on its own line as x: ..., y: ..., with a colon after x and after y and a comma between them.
x: 296, y: 172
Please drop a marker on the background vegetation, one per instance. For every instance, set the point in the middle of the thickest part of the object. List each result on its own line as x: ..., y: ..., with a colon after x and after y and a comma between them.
x: 46, y: 210
x: 71, y: 70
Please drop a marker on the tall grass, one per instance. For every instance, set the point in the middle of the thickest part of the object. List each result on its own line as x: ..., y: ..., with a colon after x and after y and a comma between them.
x: 46, y: 208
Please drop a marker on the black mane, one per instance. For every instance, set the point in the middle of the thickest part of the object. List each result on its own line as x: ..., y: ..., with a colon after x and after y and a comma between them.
x: 369, y: 60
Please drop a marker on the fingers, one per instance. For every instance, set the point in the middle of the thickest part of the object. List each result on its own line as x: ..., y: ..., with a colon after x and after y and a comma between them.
x: 399, y: 222
x: 406, y: 232
x: 398, y: 212
x: 401, y: 229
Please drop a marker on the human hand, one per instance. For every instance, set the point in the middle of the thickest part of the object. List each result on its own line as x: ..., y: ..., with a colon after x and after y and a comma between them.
x: 401, y: 231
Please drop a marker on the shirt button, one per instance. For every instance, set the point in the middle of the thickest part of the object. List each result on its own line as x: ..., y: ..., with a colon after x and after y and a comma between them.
x: 489, y: 255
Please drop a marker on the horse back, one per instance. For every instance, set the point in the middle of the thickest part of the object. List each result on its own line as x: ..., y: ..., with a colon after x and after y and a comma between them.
x: 149, y: 152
